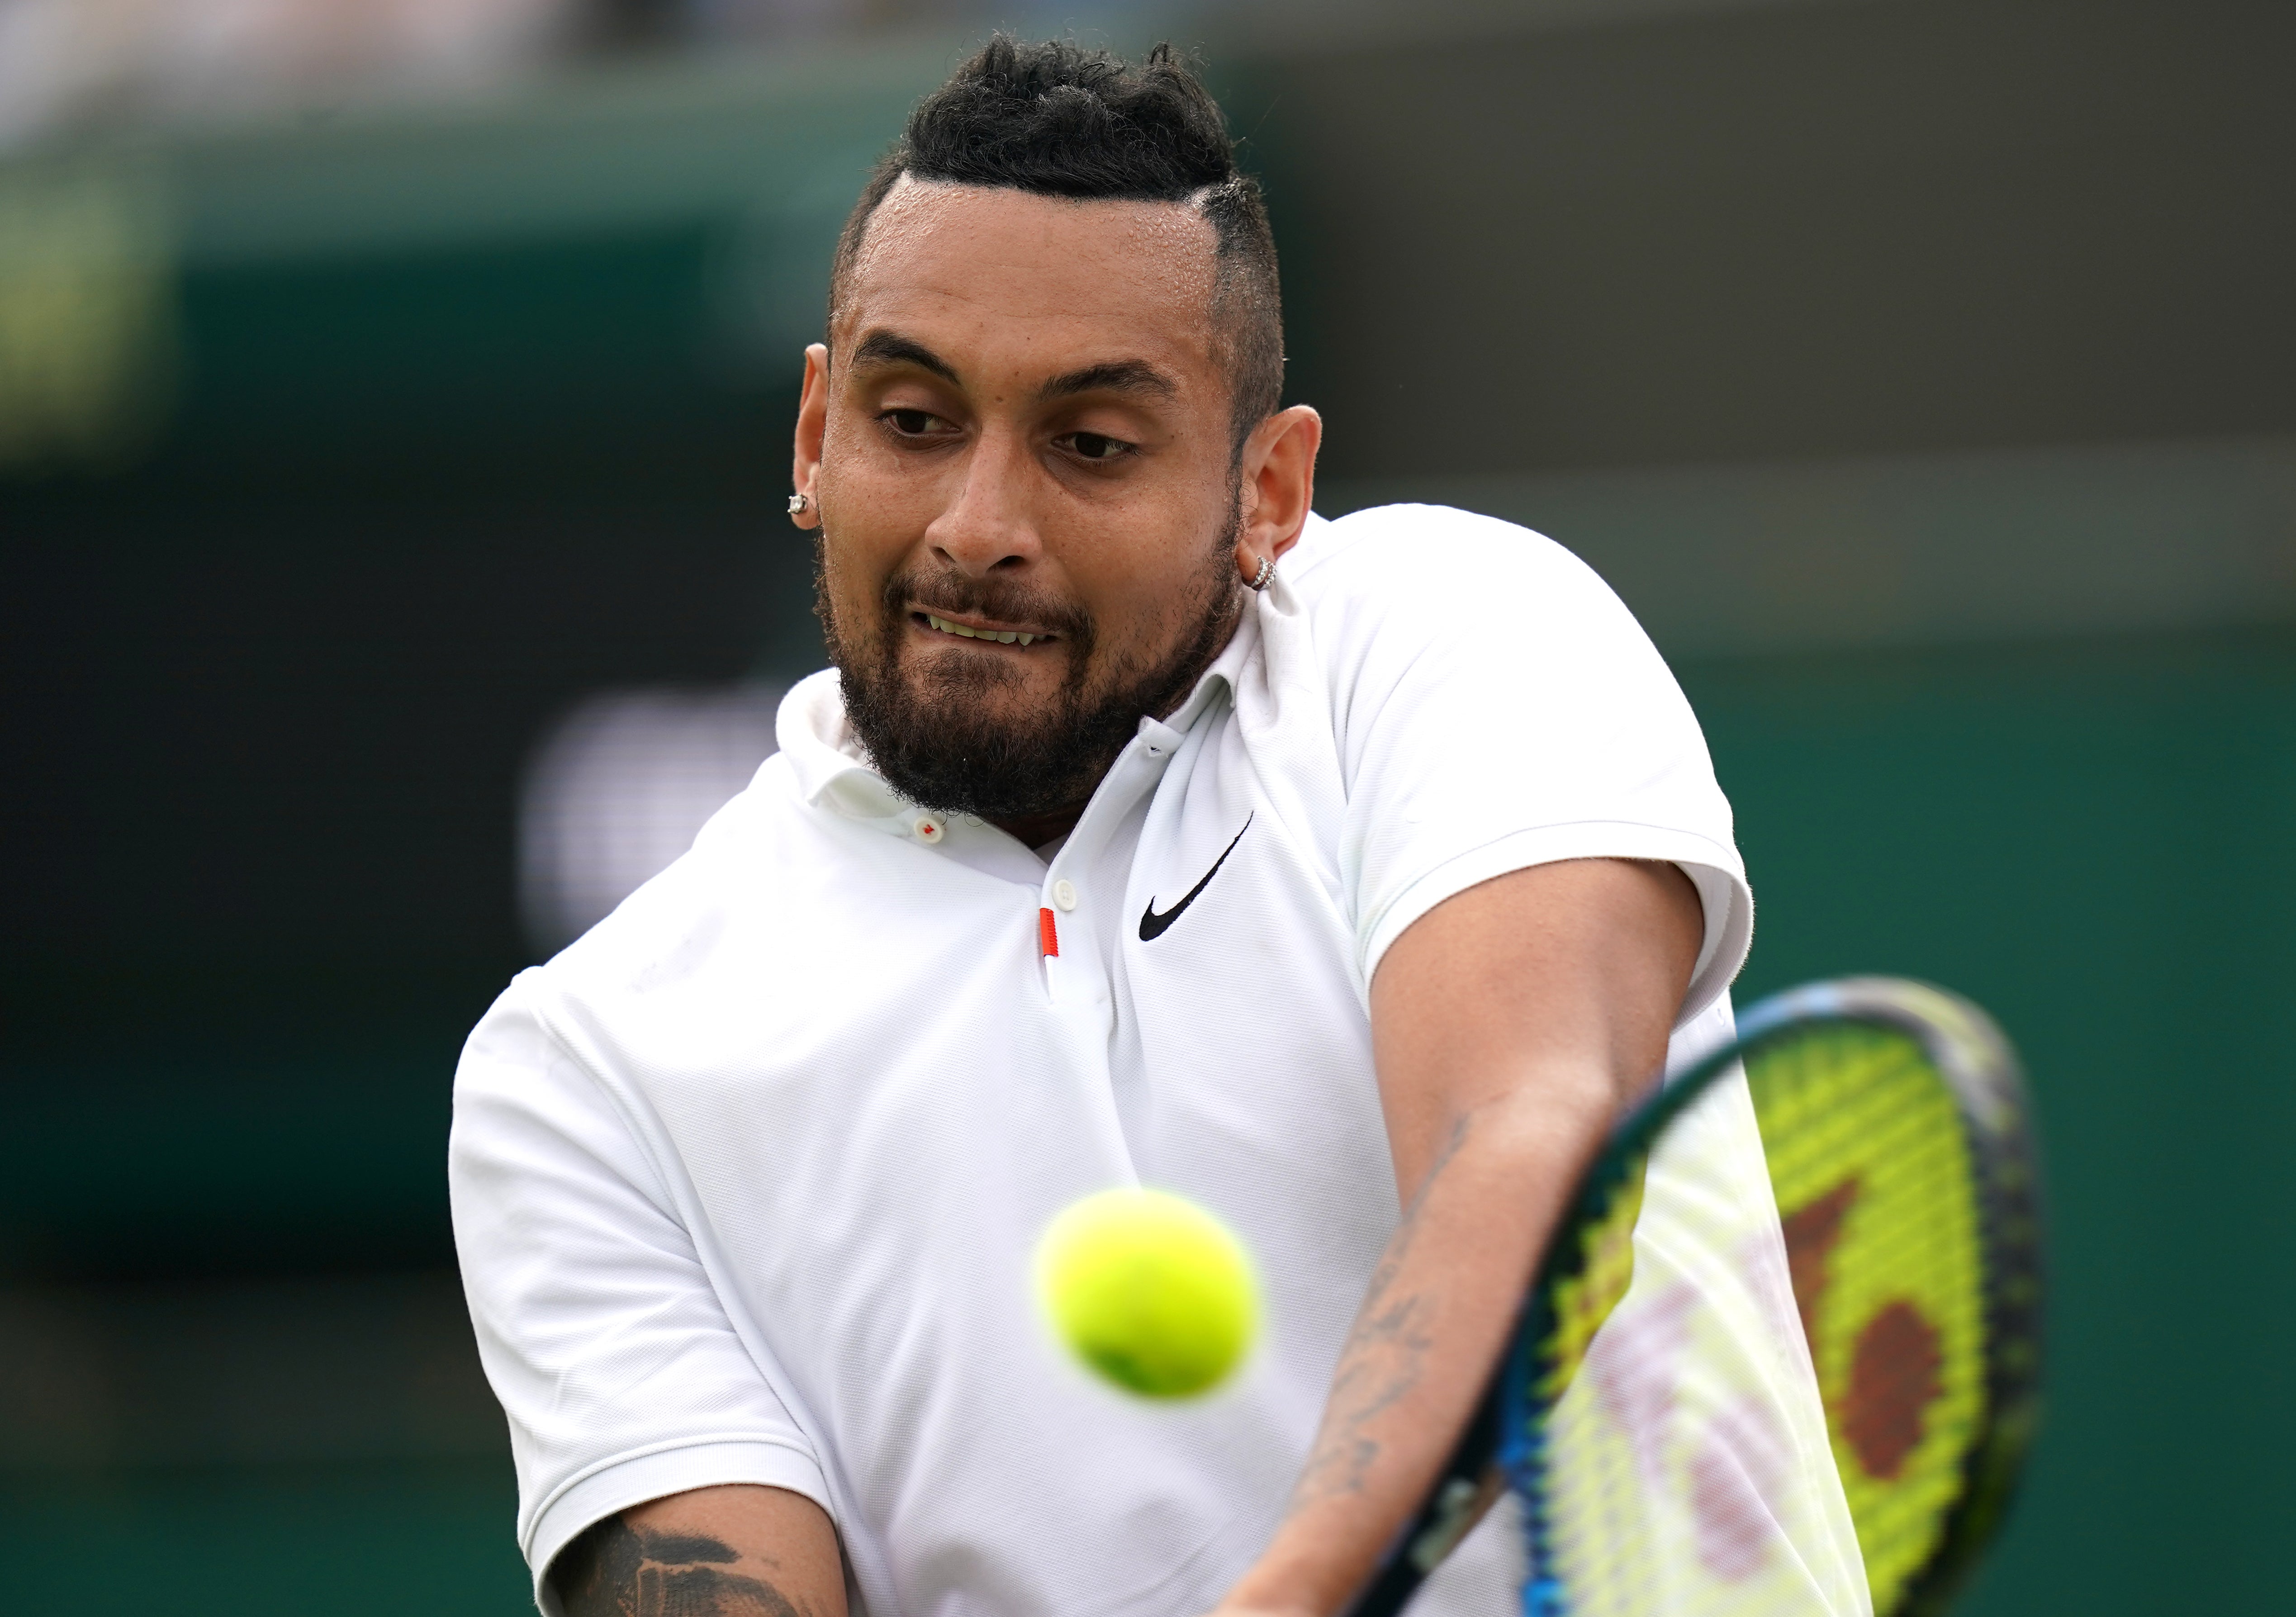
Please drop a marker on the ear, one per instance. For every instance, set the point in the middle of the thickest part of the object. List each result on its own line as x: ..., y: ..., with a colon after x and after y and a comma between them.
x: 1279, y: 486
x: 812, y: 424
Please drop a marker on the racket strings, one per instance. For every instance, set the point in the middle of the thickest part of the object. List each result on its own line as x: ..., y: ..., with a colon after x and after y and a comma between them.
x: 1893, y: 1297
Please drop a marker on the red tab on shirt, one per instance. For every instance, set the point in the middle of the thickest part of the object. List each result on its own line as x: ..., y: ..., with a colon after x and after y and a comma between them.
x: 1048, y: 936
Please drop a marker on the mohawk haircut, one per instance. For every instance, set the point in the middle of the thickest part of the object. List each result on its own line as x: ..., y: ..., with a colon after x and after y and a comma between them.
x: 1055, y: 119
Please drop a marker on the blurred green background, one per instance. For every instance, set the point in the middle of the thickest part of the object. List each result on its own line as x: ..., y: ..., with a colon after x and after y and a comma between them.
x: 1922, y: 373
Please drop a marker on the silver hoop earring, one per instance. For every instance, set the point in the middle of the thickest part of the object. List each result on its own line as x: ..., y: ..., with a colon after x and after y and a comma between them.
x: 1267, y: 571
x: 799, y: 504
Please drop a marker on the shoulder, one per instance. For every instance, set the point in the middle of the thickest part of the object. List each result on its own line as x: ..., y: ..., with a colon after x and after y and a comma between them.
x: 669, y: 984
x: 1385, y: 531
x: 1396, y: 575
x: 1403, y: 554
x: 674, y: 923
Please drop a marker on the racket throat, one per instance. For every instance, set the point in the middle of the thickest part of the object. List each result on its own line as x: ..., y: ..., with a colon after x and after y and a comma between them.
x: 1457, y: 1508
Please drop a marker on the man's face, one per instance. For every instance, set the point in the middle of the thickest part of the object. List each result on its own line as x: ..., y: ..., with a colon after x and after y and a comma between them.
x: 1028, y: 510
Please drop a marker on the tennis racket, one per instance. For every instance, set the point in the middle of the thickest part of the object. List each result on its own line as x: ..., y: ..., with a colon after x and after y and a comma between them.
x: 1650, y: 1435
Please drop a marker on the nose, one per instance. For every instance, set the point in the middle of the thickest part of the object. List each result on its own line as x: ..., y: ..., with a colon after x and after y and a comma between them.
x: 988, y: 527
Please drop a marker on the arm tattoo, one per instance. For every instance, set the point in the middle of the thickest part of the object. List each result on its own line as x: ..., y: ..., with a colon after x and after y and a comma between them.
x: 613, y: 1570
x: 1385, y: 1354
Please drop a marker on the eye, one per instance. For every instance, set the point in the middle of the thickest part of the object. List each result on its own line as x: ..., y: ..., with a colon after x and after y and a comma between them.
x: 1094, y: 445
x: 914, y: 424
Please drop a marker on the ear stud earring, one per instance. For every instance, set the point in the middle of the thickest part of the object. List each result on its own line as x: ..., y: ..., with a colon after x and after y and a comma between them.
x: 799, y: 504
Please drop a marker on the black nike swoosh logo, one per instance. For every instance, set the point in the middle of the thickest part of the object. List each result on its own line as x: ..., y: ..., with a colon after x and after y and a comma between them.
x: 1153, y: 926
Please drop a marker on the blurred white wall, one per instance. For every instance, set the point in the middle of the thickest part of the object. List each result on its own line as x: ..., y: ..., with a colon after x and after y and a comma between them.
x: 64, y: 60
x: 616, y: 790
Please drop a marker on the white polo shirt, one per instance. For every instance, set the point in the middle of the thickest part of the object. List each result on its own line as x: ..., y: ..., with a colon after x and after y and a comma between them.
x: 747, y: 1181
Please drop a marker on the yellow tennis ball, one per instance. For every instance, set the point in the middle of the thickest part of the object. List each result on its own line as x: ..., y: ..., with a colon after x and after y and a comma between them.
x: 1150, y: 1290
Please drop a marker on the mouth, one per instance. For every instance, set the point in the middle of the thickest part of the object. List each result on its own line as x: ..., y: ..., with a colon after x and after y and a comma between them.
x: 998, y: 634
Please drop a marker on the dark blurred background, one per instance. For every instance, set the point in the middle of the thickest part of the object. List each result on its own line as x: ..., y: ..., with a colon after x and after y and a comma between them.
x: 394, y: 411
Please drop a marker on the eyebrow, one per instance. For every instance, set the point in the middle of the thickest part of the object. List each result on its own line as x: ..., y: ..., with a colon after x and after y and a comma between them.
x: 1116, y: 376
x: 890, y: 348
x: 1136, y: 376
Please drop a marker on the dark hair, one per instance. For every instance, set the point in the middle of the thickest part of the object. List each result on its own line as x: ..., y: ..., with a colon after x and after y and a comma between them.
x: 1057, y: 120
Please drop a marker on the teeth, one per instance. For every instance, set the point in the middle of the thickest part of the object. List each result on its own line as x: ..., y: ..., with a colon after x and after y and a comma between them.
x: 1001, y: 636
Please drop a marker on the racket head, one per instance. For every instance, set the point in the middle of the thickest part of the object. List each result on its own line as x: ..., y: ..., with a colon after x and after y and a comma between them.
x: 1894, y: 1127
x: 1914, y: 1296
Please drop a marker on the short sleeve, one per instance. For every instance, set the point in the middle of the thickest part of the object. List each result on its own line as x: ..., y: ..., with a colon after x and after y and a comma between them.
x: 1496, y: 706
x: 599, y: 1329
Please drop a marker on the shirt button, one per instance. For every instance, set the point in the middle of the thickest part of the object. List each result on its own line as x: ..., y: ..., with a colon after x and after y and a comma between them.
x: 928, y: 829
x: 1064, y: 893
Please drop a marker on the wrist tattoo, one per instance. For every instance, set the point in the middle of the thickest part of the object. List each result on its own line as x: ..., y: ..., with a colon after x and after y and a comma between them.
x: 614, y: 1569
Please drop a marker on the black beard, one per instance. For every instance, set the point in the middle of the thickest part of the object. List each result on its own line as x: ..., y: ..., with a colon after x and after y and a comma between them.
x: 932, y: 739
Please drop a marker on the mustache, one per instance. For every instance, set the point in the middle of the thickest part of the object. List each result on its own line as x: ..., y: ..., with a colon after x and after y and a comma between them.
x: 995, y: 598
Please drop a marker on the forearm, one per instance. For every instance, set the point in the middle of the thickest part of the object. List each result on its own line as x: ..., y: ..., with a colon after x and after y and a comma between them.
x: 714, y: 1552
x: 1432, y: 1326
x: 1510, y: 1024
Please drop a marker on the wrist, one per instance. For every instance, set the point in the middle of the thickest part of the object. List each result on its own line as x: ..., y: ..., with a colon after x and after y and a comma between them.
x: 1287, y: 1585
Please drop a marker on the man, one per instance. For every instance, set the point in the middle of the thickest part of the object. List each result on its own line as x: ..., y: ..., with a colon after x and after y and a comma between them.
x: 1346, y: 877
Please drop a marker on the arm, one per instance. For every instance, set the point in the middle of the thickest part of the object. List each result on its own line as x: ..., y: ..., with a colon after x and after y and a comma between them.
x: 618, y: 1369
x: 714, y: 1552
x: 1510, y: 1024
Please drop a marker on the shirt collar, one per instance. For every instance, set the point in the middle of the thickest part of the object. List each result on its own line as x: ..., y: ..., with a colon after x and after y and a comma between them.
x: 1220, y: 679
x: 834, y: 772
x: 831, y: 769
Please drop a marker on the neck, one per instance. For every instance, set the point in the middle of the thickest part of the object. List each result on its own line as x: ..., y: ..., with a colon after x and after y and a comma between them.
x: 1035, y: 830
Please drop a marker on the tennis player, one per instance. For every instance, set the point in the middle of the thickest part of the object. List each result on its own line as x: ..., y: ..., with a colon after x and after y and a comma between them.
x: 1346, y: 877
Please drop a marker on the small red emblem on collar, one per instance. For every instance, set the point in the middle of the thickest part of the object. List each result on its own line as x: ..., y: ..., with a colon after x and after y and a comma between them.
x: 1048, y: 936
